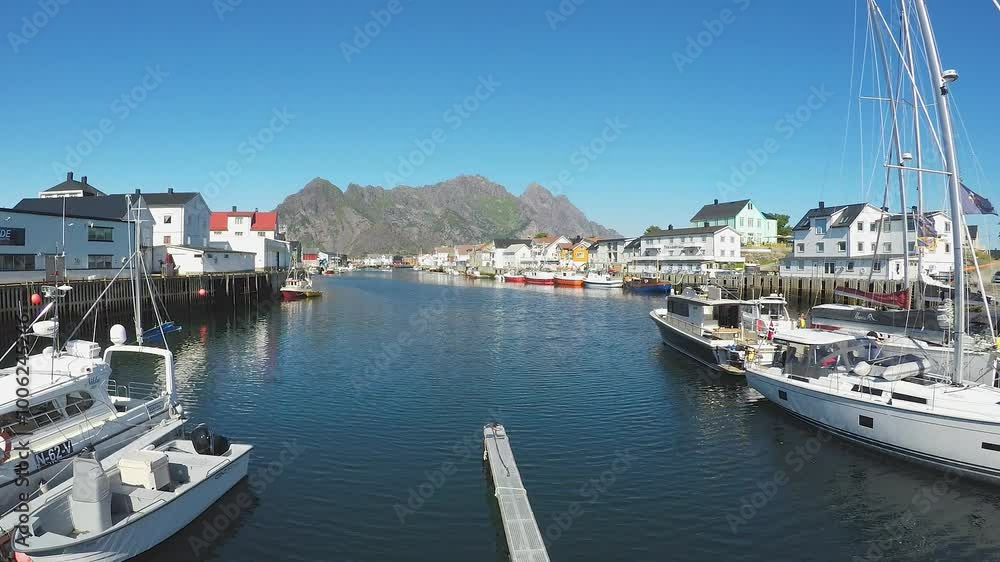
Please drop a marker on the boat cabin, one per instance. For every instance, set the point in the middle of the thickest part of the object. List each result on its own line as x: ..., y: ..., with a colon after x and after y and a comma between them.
x: 707, y: 310
x: 813, y: 354
x: 768, y: 313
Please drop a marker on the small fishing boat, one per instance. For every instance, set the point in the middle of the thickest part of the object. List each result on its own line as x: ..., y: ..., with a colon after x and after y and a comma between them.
x: 568, y: 279
x: 514, y: 278
x: 539, y: 277
x: 648, y: 286
x: 111, y: 514
x: 298, y: 286
x: 602, y: 281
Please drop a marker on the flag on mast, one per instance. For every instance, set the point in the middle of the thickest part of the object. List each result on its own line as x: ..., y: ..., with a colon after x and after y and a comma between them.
x: 975, y: 204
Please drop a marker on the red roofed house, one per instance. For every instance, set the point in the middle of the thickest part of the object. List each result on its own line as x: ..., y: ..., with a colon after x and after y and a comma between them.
x: 251, y: 231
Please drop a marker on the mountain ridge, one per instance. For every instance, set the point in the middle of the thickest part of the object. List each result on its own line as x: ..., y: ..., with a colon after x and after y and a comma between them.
x: 461, y: 210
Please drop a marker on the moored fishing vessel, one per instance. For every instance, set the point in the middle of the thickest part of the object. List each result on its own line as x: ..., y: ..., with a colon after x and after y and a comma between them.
x: 539, y: 277
x: 568, y: 279
x: 602, y: 281
x: 648, y: 286
x: 514, y: 278
x: 298, y: 286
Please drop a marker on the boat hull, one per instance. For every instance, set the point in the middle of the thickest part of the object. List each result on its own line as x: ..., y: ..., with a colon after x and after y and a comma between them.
x: 136, y: 422
x: 938, y: 441
x: 603, y: 284
x: 292, y: 295
x: 648, y: 288
x: 155, y: 527
x: 696, y: 348
x: 564, y: 282
x: 539, y: 279
x: 514, y: 278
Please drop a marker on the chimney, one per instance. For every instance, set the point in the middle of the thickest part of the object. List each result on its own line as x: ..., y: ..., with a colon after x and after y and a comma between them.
x: 83, y: 180
x: 670, y: 227
x: 234, y: 208
x: 69, y: 176
x: 885, y: 209
x: 914, y: 209
x: 138, y: 191
x: 170, y: 190
x: 716, y: 201
x: 822, y: 205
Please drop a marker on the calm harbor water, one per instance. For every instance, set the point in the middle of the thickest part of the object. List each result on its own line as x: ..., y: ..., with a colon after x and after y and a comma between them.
x: 383, y: 386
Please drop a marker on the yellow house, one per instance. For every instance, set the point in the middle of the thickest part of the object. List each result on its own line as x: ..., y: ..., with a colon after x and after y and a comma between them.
x: 575, y: 253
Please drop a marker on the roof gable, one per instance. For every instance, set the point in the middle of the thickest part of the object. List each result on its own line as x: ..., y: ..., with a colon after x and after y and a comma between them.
x: 75, y: 185
x: 169, y: 199
x: 685, y: 231
x: 259, y: 221
x: 108, y: 207
x: 718, y: 210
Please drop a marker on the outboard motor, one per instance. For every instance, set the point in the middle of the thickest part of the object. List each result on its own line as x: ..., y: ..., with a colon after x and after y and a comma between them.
x: 207, y: 443
x: 90, y: 502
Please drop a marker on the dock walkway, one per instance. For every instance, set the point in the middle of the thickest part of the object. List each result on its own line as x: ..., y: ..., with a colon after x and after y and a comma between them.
x: 524, y: 540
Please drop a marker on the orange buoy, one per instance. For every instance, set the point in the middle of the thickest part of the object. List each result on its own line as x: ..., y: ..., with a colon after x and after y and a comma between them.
x: 36, y: 299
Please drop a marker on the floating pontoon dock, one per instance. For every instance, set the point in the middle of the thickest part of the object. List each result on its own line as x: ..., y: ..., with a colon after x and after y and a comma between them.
x: 524, y: 540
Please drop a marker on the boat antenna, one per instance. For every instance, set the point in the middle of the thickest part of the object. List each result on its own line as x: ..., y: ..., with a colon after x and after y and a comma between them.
x: 941, y: 80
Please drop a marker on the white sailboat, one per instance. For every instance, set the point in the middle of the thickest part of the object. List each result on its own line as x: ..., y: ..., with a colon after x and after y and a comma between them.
x: 900, y: 404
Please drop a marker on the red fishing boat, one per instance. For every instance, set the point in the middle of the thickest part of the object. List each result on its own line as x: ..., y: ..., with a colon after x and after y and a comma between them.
x: 539, y: 278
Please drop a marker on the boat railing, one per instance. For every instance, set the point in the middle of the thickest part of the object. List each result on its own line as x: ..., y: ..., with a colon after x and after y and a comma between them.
x: 139, y: 390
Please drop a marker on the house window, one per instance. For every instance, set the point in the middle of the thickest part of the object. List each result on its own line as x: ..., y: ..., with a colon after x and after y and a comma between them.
x: 947, y: 248
x: 947, y: 227
x: 873, y: 246
x: 167, y: 219
x: 910, y: 224
x: 887, y: 247
x: 167, y: 240
x: 829, y: 267
x: 261, y: 234
x: 861, y: 246
x: 861, y: 226
x: 877, y: 265
x: 17, y: 262
x: 841, y: 246
x: 101, y: 261
x: 217, y: 233
x: 239, y: 220
x: 820, y: 225
x: 887, y: 225
x: 850, y: 266
x: 800, y: 247
x: 802, y: 264
x: 820, y: 247
x: 910, y: 247
x: 238, y: 233
x: 872, y: 227
x: 100, y: 234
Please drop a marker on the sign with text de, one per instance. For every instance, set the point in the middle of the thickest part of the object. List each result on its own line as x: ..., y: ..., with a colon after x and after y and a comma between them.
x: 11, y: 236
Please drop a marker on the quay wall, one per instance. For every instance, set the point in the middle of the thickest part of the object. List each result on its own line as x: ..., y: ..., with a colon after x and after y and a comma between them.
x: 222, y: 290
x: 801, y: 292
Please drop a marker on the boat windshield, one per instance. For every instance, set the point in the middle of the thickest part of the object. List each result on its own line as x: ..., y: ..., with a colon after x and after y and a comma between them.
x: 818, y: 360
x: 773, y: 310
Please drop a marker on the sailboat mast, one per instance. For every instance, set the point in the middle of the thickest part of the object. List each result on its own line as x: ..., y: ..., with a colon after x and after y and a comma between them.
x: 918, y: 156
x: 954, y: 182
x: 896, y: 143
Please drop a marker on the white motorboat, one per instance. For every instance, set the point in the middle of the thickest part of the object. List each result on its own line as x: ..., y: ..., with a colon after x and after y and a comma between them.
x: 603, y: 281
x: 903, y: 405
x: 720, y: 333
x: 112, y: 514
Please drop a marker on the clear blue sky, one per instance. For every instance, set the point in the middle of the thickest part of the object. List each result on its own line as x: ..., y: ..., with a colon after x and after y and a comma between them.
x: 353, y: 121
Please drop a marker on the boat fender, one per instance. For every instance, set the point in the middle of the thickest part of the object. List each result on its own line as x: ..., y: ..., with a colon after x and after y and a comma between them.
x: 8, y: 441
x: 751, y: 353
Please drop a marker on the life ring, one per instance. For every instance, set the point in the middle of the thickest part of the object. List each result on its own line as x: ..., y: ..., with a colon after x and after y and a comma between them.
x: 8, y: 441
